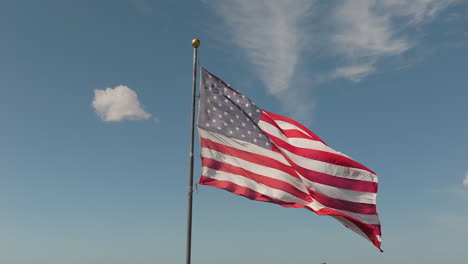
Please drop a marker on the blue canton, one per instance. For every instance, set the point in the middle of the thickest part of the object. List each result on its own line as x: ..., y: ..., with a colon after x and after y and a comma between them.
x: 228, y: 112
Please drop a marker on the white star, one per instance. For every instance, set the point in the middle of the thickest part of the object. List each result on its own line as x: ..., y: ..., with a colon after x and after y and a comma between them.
x: 225, y: 124
x: 230, y: 131
x: 237, y: 100
x: 232, y: 121
x: 248, y: 132
x: 209, y: 111
x: 250, y: 114
x: 219, y: 105
x: 231, y: 108
x: 214, y: 97
x: 243, y: 124
x: 220, y: 116
x: 225, y: 113
x: 214, y: 108
x: 247, y: 105
x: 229, y: 96
x: 209, y: 76
x: 255, y: 140
x: 237, y: 116
x: 219, y: 128
x: 209, y: 89
x: 226, y: 100
x: 214, y: 120
x: 243, y: 96
x: 242, y: 135
x: 207, y: 124
x: 258, y: 111
x: 260, y: 135
x: 237, y: 128
x: 266, y: 143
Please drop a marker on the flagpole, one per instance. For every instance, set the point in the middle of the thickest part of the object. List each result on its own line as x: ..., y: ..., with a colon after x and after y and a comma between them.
x: 188, y: 250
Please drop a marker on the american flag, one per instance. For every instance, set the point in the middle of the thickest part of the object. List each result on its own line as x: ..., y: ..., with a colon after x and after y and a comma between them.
x: 268, y: 157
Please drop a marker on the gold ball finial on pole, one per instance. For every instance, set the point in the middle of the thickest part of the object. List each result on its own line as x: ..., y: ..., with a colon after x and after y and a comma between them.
x: 195, y: 43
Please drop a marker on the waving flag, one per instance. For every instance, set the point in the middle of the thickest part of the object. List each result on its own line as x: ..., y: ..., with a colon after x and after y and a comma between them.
x: 267, y: 157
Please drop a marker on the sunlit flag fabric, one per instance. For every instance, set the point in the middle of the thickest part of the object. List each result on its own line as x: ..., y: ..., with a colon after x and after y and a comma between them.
x: 267, y: 157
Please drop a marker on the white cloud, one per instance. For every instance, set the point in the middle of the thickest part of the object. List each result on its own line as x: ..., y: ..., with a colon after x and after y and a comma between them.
x: 354, y: 72
x: 465, y: 181
x: 362, y: 31
x: 118, y: 104
x: 270, y: 33
x: 417, y: 10
x: 368, y: 30
x: 275, y: 36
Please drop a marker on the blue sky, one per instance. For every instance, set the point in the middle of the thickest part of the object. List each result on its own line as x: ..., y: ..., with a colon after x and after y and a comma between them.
x: 81, y: 182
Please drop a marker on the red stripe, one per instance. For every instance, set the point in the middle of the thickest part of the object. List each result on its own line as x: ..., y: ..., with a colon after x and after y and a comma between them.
x: 290, y: 133
x: 318, y: 177
x: 293, y: 133
x: 281, y: 185
x: 261, y: 179
x: 246, y: 192
x: 248, y: 156
x: 370, y: 230
x: 330, y: 180
x: 311, y: 153
x: 273, y: 117
x: 343, y: 183
x: 319, y: 155
x: 360, y: 208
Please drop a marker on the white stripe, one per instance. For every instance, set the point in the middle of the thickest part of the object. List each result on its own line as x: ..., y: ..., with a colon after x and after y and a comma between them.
x: 279, y: 194
x: 327, y: 168
x: 286, y: 125
x: 341, y: 194
x: 305, y: 143
x: 319, y: 166
x: 295, y: 141
x: 251, y: 184
x: 255, y: 168
x: 242, y: 145
x: 330, y: 191
x: 371, y: 219
x: 351, y: 226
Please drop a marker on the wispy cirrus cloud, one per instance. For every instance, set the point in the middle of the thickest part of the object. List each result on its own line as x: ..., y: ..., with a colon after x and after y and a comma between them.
x: 276, y: 36
x: 273, y: 37
x: 270, y: 33
x: 118, y: 104
x: 367, y: 31
x: 354, y: 72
